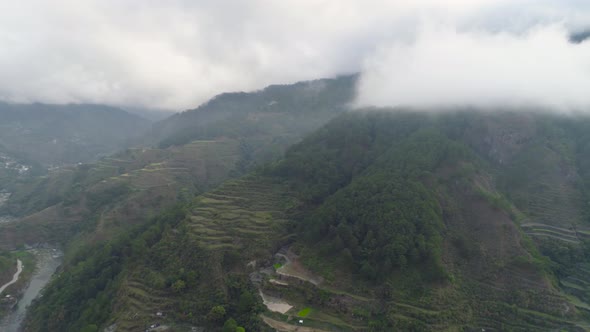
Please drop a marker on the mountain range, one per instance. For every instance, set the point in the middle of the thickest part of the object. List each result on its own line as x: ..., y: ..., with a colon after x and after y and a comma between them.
x: 286, y: 209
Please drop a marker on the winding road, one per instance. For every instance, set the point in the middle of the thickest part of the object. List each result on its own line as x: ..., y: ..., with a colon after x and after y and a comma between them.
x: 294, y: 268
x: 19, y: 269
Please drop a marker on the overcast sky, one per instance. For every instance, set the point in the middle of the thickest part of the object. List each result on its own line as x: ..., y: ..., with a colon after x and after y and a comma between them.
x: 176, y: 54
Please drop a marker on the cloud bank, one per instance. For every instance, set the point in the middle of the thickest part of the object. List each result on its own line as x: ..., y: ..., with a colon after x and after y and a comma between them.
x: 177, y: 54
x: 448, y: 68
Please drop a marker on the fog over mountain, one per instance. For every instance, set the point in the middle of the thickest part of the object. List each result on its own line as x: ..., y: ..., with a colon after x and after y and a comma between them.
x: 446, y: 67
x: 294, y: 165
x: 177, y: 54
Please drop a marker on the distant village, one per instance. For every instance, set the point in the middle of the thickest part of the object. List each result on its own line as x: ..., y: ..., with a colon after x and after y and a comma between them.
x: 8, y: 163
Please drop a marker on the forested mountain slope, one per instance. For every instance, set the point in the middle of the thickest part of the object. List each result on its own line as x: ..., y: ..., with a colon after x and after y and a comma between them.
x: 378, y: 221
x: 64, y: 134
x: 278, y: 110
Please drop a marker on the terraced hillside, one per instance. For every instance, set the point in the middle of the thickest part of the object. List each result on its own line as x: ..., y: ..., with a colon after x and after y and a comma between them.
x: 572, y: 235
x: 197, y: 150
x: 118, y: 192
x: 226, y: 229
x: 292, y: 293
x: 499, y: 282
x: 140, y: 305
x: 184, y: 171
x: 239, y: 214
x: 496, y: 289
x: 378, y: 221
x: 248, y: 215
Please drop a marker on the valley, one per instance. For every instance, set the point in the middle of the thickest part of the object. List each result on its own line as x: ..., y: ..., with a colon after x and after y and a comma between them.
x: 306, y: 216
x: 46, y: 263
x: 295, y: 166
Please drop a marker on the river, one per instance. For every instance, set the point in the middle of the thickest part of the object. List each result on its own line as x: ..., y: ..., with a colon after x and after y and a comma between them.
x: 47, y: 262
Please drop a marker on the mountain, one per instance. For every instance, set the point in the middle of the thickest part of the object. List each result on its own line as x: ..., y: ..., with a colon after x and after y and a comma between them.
x: 380, y: 220
x: 284, y: 199
x: 221, y: 139
x: 278, y: 110
x: 153, y: 115
x: 580, y: 37
x: 53, y: 135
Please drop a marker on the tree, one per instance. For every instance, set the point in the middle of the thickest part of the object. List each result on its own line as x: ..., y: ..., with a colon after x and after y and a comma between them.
x: 178, y: 286
x: 347, y: 257
x: 246, y: 302
x: 216, y: 313
x: 230, y: 325
x: 368, y: 271
x: 90, y: 328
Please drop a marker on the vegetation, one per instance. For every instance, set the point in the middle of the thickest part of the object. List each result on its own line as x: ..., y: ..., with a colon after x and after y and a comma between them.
x: 383, y: 206
x: 385, y: 209
x: 83, y: 297
x: 64, y: 134
x: 7, y: 267
x: 222, y: 144
x: 374, y: 213
x: 392, y: 220
x: 163, y: 266
x: 304, y: 312
x: 280, y: 111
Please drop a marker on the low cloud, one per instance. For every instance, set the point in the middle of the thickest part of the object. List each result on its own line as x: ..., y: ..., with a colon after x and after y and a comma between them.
x: 177, y: 54
x: 445, y: 67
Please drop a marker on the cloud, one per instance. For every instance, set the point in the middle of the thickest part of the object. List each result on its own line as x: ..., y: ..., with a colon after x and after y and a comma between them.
x: 448, y: 68
x: 177, y: 54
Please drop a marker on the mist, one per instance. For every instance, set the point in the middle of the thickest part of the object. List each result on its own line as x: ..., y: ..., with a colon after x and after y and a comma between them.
x: 177, y: 54
x: 445, y: 68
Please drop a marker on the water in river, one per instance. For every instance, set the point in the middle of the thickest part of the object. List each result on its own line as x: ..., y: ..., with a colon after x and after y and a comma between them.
x: 47, y: 262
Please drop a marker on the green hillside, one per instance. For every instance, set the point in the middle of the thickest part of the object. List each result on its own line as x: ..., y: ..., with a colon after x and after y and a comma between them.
x: 375, y: 222
x: 7, y: 267
x: 53, y: 135
x: 283, y: 111
x: 227, y: 137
